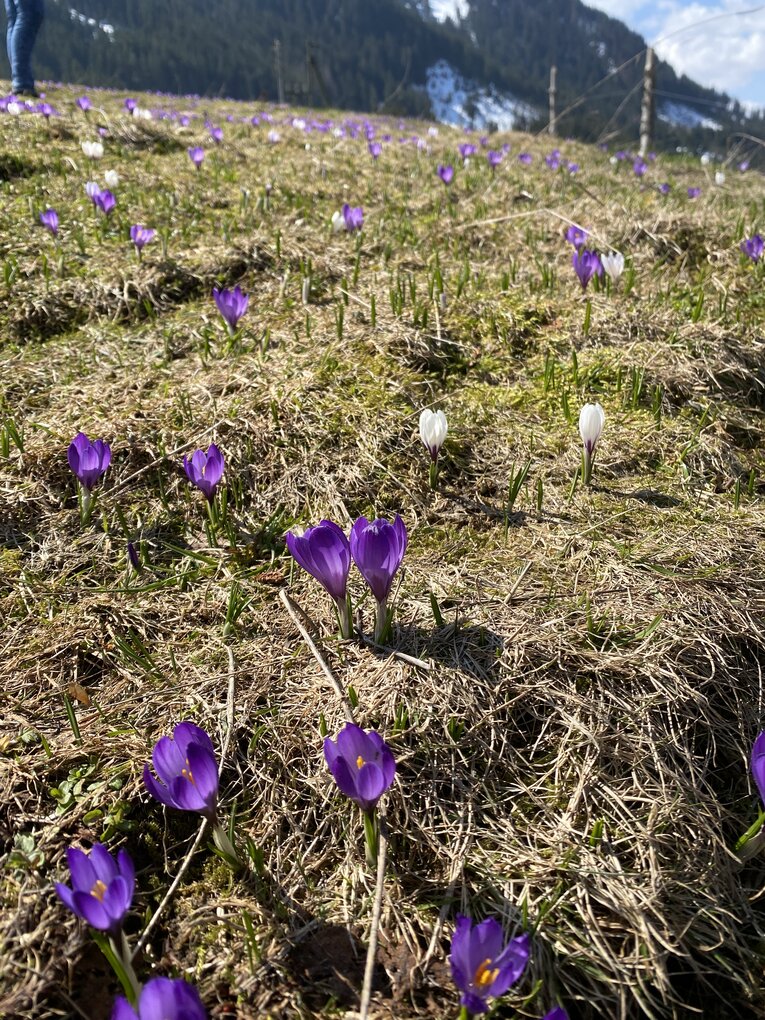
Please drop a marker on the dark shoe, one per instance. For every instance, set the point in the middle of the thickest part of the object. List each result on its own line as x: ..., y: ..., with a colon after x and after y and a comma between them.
x: 28, y: 93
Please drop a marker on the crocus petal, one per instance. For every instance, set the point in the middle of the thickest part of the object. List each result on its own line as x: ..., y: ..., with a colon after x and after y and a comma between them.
x: 81, y: 868
x: 122, y: 1010
x: 92, y: 910
x: 758, y: 764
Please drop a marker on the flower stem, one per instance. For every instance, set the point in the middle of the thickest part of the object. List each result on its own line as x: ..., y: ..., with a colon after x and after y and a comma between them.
x: 344, y: 617
x: 434, y: 474
x: 382, y: 621
x: 465, y: 1013
x: 587, y: 459
x: 117, y: 952
x: 86, y: 505
x: 371, y: 838
x: 751, y: 832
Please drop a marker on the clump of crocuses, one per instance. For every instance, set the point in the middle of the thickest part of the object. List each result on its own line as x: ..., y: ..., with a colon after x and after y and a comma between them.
x: 377, y: 548
x: 349, y: 218
x: 363, y: 767
x: 89, y: 461
x: 168, y: 998
x: 325, y: 553
x: 484, y: 966
x: 187, y: 779
x: 433, y: 429
x: 101, y: 894
x: 592, y: 417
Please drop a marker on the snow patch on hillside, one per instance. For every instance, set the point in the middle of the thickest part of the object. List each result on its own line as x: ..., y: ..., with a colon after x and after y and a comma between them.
x: 685, y: 116
x: 456, y: 100
x: 454, y: 9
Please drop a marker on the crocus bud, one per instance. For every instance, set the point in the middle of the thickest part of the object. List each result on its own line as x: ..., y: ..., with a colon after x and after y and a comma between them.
x: 324, y: 552
x: 591, y: 420
x: 49, y: 220
x: 377, y: 548
x: 613, y: 264
x: 433, y: 428
x: 758, y: 764
x: 205, y: 470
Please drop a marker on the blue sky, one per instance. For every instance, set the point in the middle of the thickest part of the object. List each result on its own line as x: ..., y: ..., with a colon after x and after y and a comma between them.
x: 727, y: 53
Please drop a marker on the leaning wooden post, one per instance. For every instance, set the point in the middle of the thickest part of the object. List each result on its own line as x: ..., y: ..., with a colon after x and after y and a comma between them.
x: 278, y: 71
x: 552, y: 126
x: 647, y: 107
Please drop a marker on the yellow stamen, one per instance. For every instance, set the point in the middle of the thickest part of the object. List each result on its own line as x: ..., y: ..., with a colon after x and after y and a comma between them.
x: 359, y: 762
x: 98, y: 890
x: 186, y: 773
x: 485, y: 976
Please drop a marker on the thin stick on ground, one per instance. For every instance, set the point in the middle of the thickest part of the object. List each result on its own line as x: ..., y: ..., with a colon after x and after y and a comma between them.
x: 369, y: 969
x: 290, y: 606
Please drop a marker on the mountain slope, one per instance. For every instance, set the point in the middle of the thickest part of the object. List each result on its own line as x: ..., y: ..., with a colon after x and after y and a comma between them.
x: 490, y: 61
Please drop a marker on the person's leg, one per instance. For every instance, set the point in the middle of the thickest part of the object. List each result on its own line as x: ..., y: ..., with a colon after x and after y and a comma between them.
x: 10, y: 14
x: 29, y: 17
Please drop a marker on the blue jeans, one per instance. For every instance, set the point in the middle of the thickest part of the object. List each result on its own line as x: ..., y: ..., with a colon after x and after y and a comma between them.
x: 24, y: 20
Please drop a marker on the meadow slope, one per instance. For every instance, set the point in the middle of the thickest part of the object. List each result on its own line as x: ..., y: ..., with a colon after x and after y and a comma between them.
x: 573, y: 683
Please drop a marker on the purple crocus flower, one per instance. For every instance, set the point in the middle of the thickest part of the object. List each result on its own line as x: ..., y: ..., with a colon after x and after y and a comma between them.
x: 743, y: 166
x: 197, y: 155
x: 46, y: 110
x: 377, y: 548
x: 483, y: 966
x: 751, y: 246
x: 353, y: 216
x: 577, y: 235
x: 586, y: 265
x: 205, y: 470
x: 525, y: 157
x: 92, y: 190
x: 49, y: 220
x: 493, y: 158
x: 83, y: 103
x: 639, y: 167
x: 168, y: 998
x: 558, y: 1013
x: 102, y: 889
x: 694, y: 192
x: 216, y: 134
x: 665, y: 188
x: 446, y: 173
x: 105, y: 201
x: 375, y: 149
x: 187, y: 770
x: 573, y: 168
x: 141, y: 236
x: 130, y: 105
x: 758, y: 764
x: 553, y: 161
x: 232, y: 304
x: 88, y: 460
x: 361, y: 763
x: 466, y: 150
x: 324, y: 552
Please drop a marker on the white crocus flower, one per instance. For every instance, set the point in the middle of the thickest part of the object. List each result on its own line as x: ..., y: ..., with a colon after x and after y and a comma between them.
x: 14, y: 109
x: 613, y: 264
x: 139, y: 113
x: 111, y: 178
x: 433, y: 429
x: 591, y: 420
x: 706, y: 158
x: 338, y: 221
x: 93, y: 150
x: 719, y: 178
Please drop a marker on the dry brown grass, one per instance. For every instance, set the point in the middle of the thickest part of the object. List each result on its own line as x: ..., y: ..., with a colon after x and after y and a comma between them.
x: 598, y: 662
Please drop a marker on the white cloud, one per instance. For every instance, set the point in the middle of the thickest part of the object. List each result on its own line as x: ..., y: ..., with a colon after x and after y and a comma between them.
x: 726, y: 53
